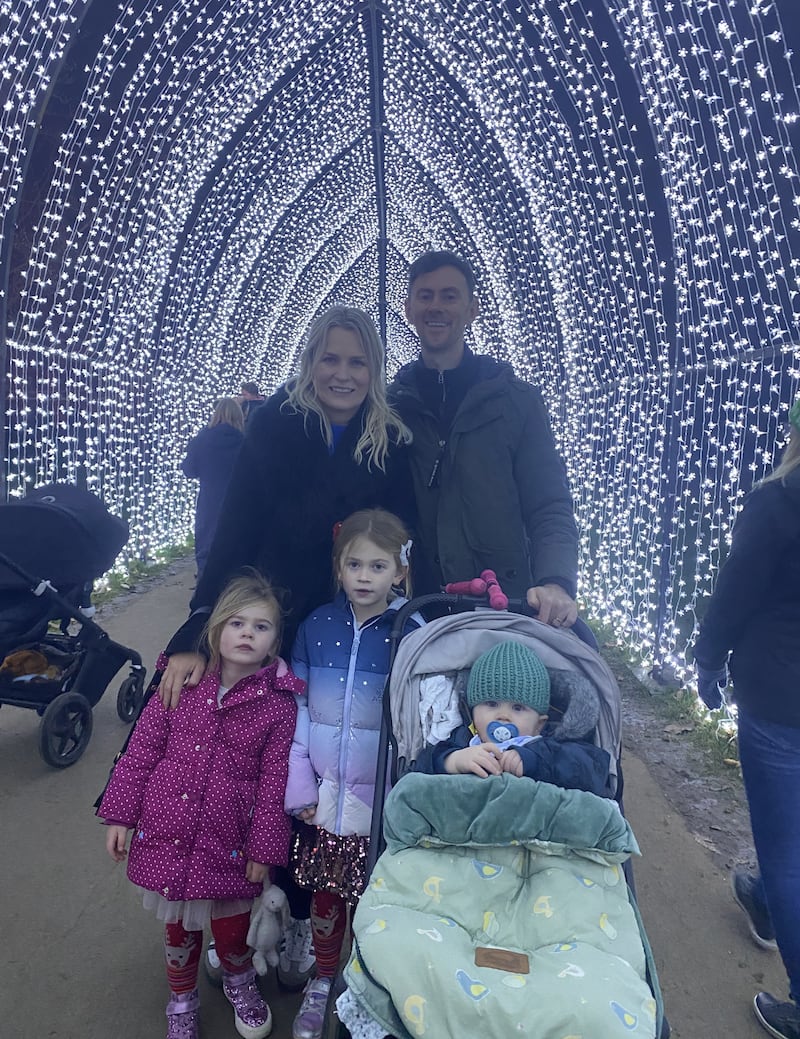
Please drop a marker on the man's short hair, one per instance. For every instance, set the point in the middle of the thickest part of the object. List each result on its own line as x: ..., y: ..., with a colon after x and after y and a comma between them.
x: 432, y: 261
x: 250, y: 387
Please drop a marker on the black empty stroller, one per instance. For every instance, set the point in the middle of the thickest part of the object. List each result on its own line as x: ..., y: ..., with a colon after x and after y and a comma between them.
x: 66, y: 534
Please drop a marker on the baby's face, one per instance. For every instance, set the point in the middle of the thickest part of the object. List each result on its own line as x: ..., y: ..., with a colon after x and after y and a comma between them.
x: 527, y: 721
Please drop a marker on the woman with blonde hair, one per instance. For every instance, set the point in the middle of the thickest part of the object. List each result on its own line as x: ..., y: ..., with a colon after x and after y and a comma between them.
x: 209, y: 458
x: 754, y: 615
x: 319, y: 449
x: 317, y: 391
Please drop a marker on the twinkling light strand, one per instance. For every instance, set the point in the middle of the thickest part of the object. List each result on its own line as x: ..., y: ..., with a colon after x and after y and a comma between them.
x: 33, y: 38
x: 621, y: 173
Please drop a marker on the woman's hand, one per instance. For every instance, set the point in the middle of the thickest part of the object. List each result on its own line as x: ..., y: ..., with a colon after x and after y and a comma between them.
x: 307, y: 813
x: 483, y: 761
x: 256, y: 871
x: 711, y: 684
x: 116, y: 839
x: 182, y: 669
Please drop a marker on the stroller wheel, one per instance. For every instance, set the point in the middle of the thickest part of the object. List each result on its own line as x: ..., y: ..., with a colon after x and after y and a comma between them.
x: 65, y: 730
x: 129, y: 698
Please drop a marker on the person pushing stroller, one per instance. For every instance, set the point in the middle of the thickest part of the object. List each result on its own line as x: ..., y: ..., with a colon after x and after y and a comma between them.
x: 508, y: 696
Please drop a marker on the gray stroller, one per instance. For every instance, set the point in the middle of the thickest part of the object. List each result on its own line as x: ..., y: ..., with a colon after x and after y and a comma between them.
x: 440, y: 945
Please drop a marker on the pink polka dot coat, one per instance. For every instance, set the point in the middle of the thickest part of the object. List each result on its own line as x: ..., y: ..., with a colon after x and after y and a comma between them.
x: 203, y: 786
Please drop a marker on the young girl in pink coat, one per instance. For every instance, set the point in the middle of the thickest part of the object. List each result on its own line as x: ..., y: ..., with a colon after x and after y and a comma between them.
x: 202, y: 786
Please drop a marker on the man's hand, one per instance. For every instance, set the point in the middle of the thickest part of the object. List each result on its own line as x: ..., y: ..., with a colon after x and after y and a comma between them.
x: 256, y: 871
x: 510, y: 761
x: 553, y: 606
x: 182, y: 669
x: 116, y: 839
x: 483, y: 761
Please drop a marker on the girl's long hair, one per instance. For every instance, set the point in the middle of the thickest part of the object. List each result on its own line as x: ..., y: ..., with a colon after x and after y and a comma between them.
x: 383, y: 529
x: 248, y: 589
x: 228, y: 410
x: 382, y: 425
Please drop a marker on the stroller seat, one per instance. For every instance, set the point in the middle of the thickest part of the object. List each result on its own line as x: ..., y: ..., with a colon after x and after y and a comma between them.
x: 452, y: 644
x: 23, y: 618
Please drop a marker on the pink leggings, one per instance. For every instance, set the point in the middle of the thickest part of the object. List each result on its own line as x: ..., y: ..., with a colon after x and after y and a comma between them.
x: 182, y: 950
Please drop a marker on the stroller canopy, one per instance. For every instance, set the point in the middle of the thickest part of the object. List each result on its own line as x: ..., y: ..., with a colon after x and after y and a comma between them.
x: 61, y: 533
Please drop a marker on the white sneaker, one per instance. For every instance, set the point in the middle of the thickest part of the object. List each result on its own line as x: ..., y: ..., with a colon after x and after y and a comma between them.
x: 296, y: 961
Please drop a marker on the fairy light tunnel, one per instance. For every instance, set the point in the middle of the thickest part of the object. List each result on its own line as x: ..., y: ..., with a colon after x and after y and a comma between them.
x: 188, y: 182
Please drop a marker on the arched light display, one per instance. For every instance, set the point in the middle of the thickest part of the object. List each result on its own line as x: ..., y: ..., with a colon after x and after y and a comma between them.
x: 620, y: 173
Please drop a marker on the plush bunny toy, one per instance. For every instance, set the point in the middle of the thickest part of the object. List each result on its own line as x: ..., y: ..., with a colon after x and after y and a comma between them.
x: 268, y: 919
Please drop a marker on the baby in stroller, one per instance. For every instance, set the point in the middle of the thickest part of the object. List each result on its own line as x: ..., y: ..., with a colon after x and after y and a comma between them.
x: 500, y: 906
x: 508, y: 695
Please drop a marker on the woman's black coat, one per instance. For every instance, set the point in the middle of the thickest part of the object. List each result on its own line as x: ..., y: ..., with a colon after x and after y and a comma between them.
x: 286, y: 493
x: 755, y: 608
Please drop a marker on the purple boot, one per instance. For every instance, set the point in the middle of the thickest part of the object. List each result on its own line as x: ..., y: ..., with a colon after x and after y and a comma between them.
x: 182, y: 1016
x: 252, y: 1016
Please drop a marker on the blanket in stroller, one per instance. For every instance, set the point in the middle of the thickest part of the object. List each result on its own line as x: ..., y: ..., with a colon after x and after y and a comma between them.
x: 500, y: 907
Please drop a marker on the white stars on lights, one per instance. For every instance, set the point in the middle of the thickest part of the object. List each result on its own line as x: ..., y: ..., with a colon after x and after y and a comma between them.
x: 624, y: 186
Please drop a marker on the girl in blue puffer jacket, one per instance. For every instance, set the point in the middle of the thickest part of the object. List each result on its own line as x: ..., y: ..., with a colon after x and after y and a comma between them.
x: 342, y: 652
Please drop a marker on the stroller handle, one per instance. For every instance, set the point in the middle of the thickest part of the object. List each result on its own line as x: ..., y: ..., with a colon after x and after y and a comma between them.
x: 462, y: 603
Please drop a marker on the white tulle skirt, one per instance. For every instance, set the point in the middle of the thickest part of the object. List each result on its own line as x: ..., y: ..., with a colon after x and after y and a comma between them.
x: 195, y: 915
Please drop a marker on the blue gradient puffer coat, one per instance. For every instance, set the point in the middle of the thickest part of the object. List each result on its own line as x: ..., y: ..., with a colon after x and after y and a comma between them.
x: 334, y: 754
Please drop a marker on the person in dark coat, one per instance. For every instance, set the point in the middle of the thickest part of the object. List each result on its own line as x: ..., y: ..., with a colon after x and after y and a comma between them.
x: 320, y: 448
x: 490, y: 487
x: 209, y: 458
x: 754, y: 614
x: 250, y: 399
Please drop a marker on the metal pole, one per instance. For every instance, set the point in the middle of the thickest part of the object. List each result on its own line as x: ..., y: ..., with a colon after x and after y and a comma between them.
x: 374, y: 25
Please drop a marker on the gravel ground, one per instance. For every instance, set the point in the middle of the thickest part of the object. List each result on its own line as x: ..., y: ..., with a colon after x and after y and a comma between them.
x: 710, y: 798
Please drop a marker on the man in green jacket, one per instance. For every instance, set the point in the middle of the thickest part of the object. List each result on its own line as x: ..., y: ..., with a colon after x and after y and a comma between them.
x: 490, y: 486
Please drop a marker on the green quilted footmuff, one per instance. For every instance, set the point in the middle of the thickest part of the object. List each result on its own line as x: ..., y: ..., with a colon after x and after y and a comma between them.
x: 500, y: 909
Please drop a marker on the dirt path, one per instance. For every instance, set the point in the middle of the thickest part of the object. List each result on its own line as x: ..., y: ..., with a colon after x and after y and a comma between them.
x: 81, y: 960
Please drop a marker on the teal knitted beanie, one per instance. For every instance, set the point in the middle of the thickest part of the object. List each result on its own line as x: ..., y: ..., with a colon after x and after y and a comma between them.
x: 509, y: 671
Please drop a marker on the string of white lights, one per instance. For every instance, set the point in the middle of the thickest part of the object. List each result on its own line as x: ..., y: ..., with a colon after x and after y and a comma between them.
x: 619, y: 172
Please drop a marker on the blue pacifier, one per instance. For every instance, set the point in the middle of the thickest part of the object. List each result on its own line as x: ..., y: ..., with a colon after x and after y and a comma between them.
x: 501, y: 732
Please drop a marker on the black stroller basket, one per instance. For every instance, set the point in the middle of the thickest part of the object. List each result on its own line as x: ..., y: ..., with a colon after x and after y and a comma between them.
x: 68, y: 534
